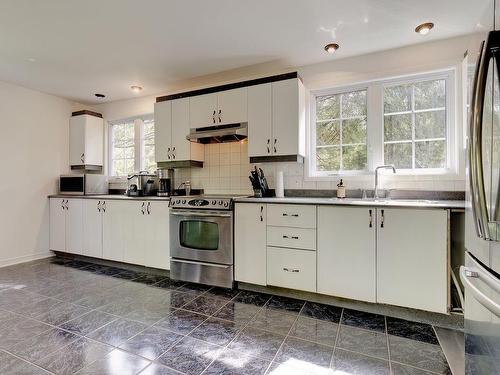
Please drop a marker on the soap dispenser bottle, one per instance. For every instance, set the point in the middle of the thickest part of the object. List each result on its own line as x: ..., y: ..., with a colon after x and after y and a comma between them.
x: 340, y: 189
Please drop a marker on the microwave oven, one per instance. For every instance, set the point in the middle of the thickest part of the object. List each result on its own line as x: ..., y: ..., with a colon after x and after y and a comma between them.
x: 83, y: 184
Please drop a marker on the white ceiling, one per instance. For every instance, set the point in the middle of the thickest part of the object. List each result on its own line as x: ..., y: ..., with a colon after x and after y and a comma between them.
x: 75, y: 48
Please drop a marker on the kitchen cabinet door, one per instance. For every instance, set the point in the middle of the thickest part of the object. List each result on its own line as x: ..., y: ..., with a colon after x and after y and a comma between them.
x: 412, y: 258
x: 260, y: 120
x: 115, y: 229
x: 163, y: 131
x: 232, y: 106
x: 77, y: 140
x: 291, y: 268
x: 157, y: 253
x: 250, y: 243
x: 203, y: 110
x: 74, y: 226
x: 288, y: 118
x: 92, y: 228
x: 57, y: 214
x: 86, y: 140
x: 346, y: 252
x: 137, y: 236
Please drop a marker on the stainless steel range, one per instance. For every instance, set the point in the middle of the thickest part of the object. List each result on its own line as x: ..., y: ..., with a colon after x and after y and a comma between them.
x: 202, y: 240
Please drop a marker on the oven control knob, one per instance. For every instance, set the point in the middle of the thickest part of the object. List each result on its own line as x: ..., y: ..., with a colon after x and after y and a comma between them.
x: 214, y: 202
x: 178, y: 201
x: 183, y: 201
x: 226, y: 204
x: 220, y: 203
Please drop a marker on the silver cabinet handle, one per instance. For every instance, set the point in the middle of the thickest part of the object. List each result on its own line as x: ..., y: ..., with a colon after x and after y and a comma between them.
x: 213, y: 117
x: 142, y: 208
x: 67, y: 207
x: 274, y: 146
x: 475, y: 147
x: 292, y: 215
x: 82, y: 158
x: 292, y: 237
x: 370, y: 224
x: 99, y: 206
x: 466, y: 275
x: 198, y: 214
x: 173, y: 152
x: 103, y: 206
x: 382, y: 218
x: 148, y: 208
x: 293, y: 270
x: 268, y: 146
x: 220, y: 116
x: 261, y: 210
x: 62, y: 204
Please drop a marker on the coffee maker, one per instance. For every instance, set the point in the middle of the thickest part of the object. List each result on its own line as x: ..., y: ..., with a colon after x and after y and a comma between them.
x: 165, y: 177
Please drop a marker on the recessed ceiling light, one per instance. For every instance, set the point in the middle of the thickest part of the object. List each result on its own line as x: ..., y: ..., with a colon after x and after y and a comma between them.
x: 100, y: 96
x: 331, y: 48
x: 424, y: 28
x: 136, y: 88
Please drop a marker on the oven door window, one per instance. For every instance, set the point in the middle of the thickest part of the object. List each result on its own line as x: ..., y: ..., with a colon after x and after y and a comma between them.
x: 199, y: 235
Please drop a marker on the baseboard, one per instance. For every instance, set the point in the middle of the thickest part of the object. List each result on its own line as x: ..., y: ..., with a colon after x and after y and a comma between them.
x: 25, y: 258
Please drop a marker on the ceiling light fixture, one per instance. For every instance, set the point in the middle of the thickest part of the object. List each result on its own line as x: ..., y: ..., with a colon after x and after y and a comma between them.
x: 136, y: 89
x: 331, y: 48
x: 424, y: 28
x: 100, y: 96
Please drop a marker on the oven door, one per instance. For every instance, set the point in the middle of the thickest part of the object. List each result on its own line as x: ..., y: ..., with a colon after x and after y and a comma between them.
x: 205, y: 236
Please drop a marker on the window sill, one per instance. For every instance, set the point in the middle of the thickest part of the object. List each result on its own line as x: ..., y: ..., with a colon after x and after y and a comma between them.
x: 401, y: 175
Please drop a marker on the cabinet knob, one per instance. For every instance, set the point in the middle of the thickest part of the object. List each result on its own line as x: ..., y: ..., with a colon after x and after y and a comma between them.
x: 220, y: 115
x: 142, y: 208
x: 148, y: 208
x: 82, y: 158
x: 382, y: 218
x: 213, y: 117
x: 261, y: 210
x: 274, y: 147
x: 103, y: 206
x: 99, y: 206
x: 268, y: 146
x: 371, y: 219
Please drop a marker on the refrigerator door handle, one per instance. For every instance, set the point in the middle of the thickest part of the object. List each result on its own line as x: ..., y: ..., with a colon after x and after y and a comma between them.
x: 478, y: 196
x: 467, y: 274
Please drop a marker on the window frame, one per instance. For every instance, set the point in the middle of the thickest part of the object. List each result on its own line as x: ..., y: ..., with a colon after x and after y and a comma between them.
x: 138, y: 142
x: 375, y: 125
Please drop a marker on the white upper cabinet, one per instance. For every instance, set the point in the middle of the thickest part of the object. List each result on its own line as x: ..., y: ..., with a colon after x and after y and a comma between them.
x: 171, y: 129
x: 203, y: 110
x: 412, y: 261
x: 276, y: 119
x: 86, y: 140
x: 260, y: 120
x: 220, y: 108
x: 346, y: 252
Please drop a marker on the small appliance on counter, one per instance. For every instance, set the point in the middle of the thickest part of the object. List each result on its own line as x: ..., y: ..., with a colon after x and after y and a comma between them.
x: 341, y: 189
x: 259, y: 183
x: 142, y: 184
x: 83, y: 184
x: 165, y: 178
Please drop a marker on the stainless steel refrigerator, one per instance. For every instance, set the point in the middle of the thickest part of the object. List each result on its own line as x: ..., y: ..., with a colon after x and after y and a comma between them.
x: 481, y: 273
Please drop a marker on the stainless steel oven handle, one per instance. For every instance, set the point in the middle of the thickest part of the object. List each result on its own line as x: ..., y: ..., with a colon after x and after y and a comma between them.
x: 198, y: 214
x: 202, y: 263
x: 466, y: 275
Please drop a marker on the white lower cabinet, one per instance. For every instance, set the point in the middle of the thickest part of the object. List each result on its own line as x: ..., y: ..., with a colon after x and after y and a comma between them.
x: 115, y: 229
x: 346, y: 252
x: 412, y: 262
x: 290, y: 268
x: 66, y: 221
x: 250, y: 243
x: 92, y: 227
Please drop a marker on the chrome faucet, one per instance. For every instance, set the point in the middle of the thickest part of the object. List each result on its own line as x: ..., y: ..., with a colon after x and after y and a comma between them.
x: 375, y: 195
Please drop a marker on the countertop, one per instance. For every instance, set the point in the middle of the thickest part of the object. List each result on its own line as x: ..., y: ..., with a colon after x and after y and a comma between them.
x: 415, y: 203
x: 111, y: 197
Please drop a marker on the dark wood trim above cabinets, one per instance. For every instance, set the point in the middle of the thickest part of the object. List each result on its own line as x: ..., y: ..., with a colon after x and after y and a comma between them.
x: 179, y: 164
x: 86, y: 112
x: 87, y: 167
x: 229, y: 86
x: 276, y: 158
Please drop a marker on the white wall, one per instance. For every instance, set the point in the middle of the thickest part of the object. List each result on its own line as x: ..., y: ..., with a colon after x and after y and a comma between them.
x: 419, y: 58
x: 33, y: 153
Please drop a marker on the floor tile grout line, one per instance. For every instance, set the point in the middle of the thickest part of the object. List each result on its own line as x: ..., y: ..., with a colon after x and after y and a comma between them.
x: 26, y: 361
x: 417, y: 368
x: 388, y: 344
x: 336, y: 338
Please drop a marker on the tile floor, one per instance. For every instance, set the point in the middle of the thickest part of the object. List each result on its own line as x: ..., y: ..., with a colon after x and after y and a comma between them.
x: 61, y: 316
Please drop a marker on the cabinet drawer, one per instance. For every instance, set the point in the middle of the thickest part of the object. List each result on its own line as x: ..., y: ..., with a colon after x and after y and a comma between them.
x: 291, y: 215
x: 289, y: 268
x: 297, y: 238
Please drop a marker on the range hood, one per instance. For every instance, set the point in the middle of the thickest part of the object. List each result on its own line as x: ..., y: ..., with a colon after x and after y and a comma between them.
x: 219, y: 133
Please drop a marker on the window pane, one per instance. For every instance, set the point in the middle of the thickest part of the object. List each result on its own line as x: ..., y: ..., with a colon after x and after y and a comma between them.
x: 430, y: 124
x: 328, y: 158
x: 397, y: 98
x: 119, y: 167
x: 397, y: 127
x: 148, y: 146
x: 354, y: 158
x: 398, y: 154
x: 129, y: 166
x: 354, y: 131
x: 354, y: 104
x: 430, y: 154
x: 328, y: 107
x: 123, y: 148
x: 149, y: 158
x: 328, y: 133
x: 430, y: 94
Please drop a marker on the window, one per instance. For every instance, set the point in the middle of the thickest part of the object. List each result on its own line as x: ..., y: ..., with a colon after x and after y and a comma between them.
x: 132, y: 146
x: 404, y: 122
x: 415, y: 125
x: 341, y: 132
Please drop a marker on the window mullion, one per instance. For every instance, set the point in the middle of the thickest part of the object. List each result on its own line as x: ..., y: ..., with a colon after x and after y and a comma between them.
x: 413, y: 126
x: 138, y: 145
